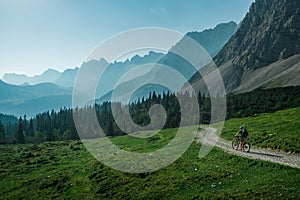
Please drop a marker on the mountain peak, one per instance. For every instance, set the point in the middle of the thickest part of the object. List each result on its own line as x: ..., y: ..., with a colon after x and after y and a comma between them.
x: 151, y: 56
x: 101, y: 61
x: 50, y: 70
x: 227, y: 24
x: 49, y: 74
x: 215, y: 38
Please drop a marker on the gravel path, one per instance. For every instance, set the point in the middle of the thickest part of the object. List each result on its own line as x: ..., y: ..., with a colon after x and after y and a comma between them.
x: 207, y: 136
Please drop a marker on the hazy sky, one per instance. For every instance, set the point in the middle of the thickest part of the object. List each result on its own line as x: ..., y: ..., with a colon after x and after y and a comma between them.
x: 39, y: 34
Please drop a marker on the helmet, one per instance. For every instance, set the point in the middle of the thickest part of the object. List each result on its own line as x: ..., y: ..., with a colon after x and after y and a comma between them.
x: 241, y: 127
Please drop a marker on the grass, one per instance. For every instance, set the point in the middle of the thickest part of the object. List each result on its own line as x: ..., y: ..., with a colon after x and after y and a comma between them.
x: 66, y: 170
x: 145, y: 145
x: 279, y: 130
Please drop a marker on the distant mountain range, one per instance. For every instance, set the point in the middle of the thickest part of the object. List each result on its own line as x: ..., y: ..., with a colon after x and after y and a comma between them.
x: 56, y: 93
x: 49, y: 75
x: 64, y: 79
x: 21, y: 94
x: 212, y: 40
x: 264, y: 52
x: 31, y: 99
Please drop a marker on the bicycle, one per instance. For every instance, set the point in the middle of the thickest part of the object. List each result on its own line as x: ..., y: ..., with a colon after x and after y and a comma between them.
x: 236, y: 143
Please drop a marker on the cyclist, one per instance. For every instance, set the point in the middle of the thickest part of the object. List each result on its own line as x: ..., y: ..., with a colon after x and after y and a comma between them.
x: 242, y: 134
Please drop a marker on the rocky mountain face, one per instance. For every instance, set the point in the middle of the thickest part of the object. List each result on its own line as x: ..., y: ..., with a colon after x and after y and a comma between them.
x: 263, y: 49
x: 269, y: 32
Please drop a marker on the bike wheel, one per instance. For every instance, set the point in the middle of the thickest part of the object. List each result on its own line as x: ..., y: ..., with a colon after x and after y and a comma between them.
x: 235, y: 144
x: 246, y: 147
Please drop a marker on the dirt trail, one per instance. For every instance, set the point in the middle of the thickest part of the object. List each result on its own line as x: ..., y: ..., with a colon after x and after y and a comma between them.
x: 207, y: 136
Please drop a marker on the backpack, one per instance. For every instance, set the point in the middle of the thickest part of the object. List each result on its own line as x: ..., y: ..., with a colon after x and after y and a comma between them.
x: 245, y: 133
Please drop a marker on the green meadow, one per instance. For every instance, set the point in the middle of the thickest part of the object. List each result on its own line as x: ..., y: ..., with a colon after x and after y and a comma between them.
x: 279, y: 130
x: 66, y: 170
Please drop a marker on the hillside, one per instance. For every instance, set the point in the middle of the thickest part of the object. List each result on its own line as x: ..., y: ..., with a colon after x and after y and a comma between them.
x: 264, y: 50
x: 31, y: 107
x: 279, y: 130
x: 32, y: 99
x: 282, y: 73
x: 67, y: 170
x: 15, y: 93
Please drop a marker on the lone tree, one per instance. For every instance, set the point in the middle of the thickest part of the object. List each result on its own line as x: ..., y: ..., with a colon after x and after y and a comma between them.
x: 20, y: 132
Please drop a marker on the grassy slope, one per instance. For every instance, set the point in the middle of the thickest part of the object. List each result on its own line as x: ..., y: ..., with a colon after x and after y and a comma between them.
x: 279, y: 130
x: 67, y: 170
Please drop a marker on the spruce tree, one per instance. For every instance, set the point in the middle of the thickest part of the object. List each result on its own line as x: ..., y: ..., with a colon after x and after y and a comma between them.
x: 31, y: 128
x: 20, y: 132
x: 2, y: 134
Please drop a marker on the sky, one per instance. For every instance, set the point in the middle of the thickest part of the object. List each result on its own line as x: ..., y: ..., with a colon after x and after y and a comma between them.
x: 39, y: 34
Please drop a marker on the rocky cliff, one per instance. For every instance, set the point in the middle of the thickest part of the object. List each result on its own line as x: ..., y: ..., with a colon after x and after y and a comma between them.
x: 263, y: 49
x: 269, y: 32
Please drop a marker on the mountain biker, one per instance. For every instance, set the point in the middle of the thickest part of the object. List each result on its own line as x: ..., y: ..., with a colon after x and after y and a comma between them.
x: 242, y: 134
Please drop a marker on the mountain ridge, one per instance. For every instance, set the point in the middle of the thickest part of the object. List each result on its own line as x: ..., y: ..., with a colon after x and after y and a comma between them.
x: 217, y: 36
x: 176, y: 62
x: 268, y: 35
x: 19, y: 96
x: 50, y: 75
x: 272, y: 28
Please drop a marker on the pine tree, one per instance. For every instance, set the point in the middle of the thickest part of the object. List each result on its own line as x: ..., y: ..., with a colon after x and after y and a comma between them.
x: 30, y: 128
x: 25, y: 126
x: 110, y: 128
x: 49, y: 135
x: 2, y: 134
x: 20, y: 132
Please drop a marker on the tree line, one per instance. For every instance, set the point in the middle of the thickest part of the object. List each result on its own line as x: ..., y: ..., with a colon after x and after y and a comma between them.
x: 59, y: 125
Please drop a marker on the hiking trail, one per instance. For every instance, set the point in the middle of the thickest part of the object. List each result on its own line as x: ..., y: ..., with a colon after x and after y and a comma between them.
x: 207, y: 136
